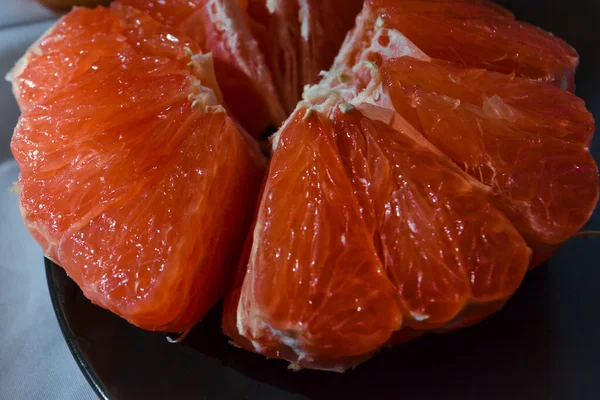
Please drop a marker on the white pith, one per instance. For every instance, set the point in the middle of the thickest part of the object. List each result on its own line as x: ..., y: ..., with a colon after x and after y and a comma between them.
x: 204, y: 97
x: 304, y: 19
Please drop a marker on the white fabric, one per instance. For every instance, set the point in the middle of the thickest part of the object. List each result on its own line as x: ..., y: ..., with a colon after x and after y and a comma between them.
x: 35, y: 362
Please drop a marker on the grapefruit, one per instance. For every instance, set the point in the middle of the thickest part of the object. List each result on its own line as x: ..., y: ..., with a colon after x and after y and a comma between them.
x: 436, y: 161
x: 130, y: 169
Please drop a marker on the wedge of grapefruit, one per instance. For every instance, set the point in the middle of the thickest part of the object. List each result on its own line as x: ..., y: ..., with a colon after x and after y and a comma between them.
x: 479, y: 33
x: 448, y: 180
x: 130, y: 169
x: 508, y: 135
x: 388, y: 234
x: 219, y: 26
x: 472, y: 33
x: 540, y: 118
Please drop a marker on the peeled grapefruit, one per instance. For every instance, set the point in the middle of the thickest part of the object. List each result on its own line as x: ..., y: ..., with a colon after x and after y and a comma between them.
x: 130, y: 169
x: 440, y: 177
x: 408, y: 192
x: 386, y: 234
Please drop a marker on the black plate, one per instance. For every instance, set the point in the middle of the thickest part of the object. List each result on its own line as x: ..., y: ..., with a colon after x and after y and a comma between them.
x: 542, y: 345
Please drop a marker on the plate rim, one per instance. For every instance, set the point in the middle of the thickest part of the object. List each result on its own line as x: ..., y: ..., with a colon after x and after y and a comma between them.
x: 68, y: 335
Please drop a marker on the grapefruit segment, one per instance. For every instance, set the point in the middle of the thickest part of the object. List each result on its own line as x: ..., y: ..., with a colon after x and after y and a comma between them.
x: 520, y: 103
x: 481, y: 34
x: 470, y: 33
x: 443, y: 243
x: 315, y: 291
x: 129, y: 173
x: 546, y: 185
x: 220, y: 27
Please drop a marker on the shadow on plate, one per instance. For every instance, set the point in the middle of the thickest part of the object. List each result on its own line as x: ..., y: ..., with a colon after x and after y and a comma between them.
x: 510, y: 353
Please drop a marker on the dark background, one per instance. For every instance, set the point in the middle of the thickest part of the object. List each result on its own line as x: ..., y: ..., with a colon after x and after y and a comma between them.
x: 543, y: 345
